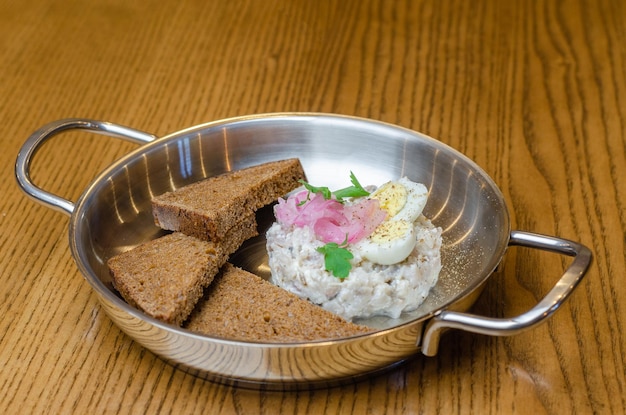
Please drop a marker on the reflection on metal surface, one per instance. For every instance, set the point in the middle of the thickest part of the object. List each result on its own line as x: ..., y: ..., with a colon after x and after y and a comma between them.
x: 184, y: 158
x: 202, y: 158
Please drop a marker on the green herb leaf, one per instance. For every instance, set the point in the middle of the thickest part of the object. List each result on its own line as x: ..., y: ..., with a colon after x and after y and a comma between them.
x: 325, y: 191
x: 336, y: 259
x: 356, y: 190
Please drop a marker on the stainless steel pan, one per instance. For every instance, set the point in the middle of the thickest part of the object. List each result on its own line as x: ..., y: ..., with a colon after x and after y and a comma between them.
x: 113, y: 214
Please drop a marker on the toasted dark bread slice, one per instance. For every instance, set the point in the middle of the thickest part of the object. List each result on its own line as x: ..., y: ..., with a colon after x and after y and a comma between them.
x: 239, y: 305
x: 209, y: 208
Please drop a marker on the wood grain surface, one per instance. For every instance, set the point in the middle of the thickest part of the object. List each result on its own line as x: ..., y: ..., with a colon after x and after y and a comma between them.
x: 533, y: 91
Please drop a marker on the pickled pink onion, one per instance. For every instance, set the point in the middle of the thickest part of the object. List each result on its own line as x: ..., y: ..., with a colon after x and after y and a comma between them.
x: 331, y: 220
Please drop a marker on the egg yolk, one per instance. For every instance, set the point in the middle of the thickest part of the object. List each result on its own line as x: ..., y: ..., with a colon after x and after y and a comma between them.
x: 392, y: 197
x: 389, y: 231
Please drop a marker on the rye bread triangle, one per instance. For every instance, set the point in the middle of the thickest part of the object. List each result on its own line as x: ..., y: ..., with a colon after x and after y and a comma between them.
x: 165, y: 277
x: 209, y: 208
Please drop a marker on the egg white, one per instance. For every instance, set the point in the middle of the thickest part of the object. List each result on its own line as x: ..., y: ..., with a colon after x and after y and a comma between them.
x: 391, y: 242
x: 416, y: 198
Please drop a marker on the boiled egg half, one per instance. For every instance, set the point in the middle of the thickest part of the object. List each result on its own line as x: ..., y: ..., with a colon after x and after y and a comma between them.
x: 394, y: 239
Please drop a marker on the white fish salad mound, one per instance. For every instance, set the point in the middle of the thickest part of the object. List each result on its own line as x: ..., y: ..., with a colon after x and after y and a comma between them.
x: 370, y: 289
x: 355, y: 253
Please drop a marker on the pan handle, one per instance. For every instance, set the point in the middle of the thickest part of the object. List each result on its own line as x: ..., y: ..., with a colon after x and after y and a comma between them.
x: 35, y: 141
x: 538, y: 314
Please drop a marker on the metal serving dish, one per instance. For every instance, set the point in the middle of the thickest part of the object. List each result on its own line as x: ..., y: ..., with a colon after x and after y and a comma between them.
x: 113, y: 214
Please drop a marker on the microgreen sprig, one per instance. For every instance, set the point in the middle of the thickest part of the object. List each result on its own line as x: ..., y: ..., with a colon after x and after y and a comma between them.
x: 325, y: 191
x: 356, y: 190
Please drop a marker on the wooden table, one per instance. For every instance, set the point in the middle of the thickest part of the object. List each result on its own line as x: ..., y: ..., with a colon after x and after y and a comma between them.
x: 533, y: 91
